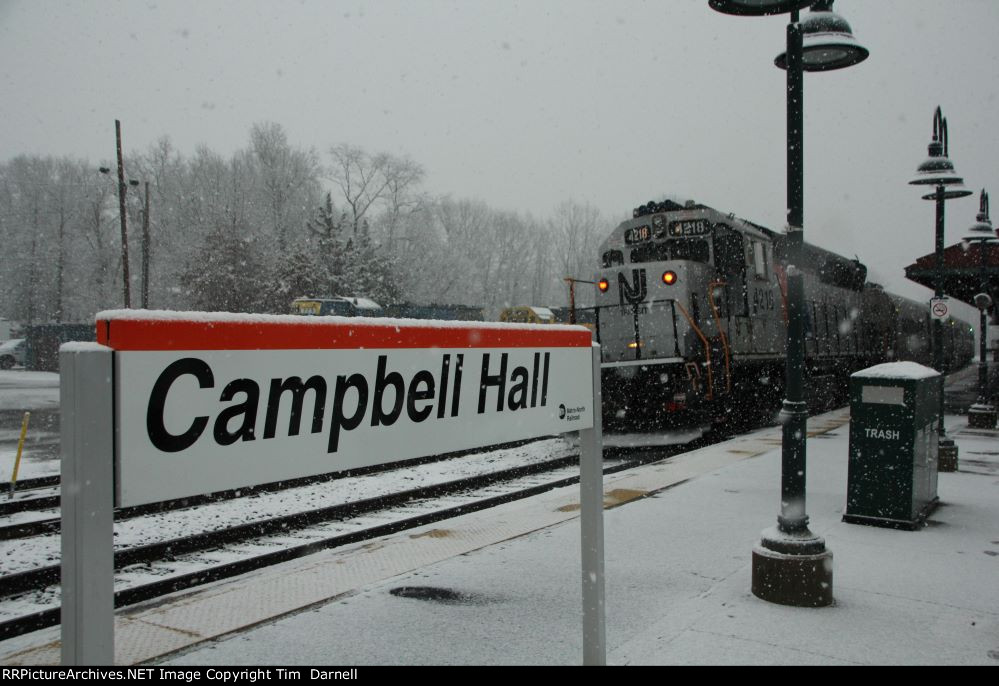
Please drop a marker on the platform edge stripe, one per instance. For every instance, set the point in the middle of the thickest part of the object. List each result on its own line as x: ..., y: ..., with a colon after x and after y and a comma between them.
x: 177, y: 334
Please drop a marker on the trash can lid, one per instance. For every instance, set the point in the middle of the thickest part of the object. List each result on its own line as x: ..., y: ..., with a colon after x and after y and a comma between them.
x: 896, y: 370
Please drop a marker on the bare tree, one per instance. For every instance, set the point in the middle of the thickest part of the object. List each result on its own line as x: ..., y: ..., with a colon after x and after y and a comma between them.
x: 575, y: 231
x: 365, y: 180
x: 287, y: 179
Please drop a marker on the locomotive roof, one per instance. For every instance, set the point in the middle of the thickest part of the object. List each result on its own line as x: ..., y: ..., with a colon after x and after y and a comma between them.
x: 815, y: 258
x: 688, y: 212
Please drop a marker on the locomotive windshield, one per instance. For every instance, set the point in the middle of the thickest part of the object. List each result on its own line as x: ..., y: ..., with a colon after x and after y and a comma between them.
x: 693, y: 249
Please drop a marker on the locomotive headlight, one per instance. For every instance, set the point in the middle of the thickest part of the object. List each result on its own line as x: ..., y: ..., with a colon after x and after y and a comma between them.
x: 669, y: 278
x: 603, y: 285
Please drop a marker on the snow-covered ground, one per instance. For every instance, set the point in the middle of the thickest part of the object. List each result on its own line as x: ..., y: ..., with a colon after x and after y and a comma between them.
x: 25, y: 390
x: 678, y: 584
x: 677, y: 578
x: 36, y: 392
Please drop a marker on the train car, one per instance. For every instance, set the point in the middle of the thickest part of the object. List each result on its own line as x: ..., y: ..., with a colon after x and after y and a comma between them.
x: 527, y: 314
x: 337, y: 306
x: 692, y: 317
x: 407, y: 310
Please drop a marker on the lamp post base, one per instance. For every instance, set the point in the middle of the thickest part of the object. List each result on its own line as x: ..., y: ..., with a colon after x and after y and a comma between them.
x: 793, y: 569
x: 982, y: 416
x: 946, y: 455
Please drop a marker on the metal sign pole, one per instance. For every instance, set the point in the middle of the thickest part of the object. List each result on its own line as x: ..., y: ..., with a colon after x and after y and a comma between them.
x: 591, y: 497
x: 87, y: 435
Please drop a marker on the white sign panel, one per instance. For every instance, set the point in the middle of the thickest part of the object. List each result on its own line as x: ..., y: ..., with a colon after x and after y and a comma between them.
x: 939, y: 308
x: 193, y: 422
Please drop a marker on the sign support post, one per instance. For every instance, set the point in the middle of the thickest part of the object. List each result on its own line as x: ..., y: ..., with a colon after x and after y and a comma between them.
x: 591, y: 500
x: 86, y: 401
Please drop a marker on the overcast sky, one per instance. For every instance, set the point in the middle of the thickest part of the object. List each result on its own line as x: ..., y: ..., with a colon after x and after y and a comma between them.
x: 526, y: 104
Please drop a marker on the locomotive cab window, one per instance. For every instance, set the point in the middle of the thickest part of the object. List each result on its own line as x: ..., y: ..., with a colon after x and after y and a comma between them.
x: 651, y: 252
x: 759, y: 258
x: 694, y: 249
x: 612, y: 258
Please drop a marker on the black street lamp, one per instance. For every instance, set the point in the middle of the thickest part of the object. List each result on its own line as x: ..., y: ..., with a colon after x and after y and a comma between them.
x: 144, y: 213
x: 791, y: 565
x: 938, y: 171
x: 982, y: 414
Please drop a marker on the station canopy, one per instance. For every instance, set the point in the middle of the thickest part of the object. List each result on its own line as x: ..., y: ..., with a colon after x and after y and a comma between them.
x: 962, y: 271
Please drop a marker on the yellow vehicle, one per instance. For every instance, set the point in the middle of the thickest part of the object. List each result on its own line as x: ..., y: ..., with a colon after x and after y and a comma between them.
x: 344, y: 307
x: 527, y: 314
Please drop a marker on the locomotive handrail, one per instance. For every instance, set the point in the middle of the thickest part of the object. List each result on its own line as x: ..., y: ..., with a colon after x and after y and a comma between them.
x: 721, y: 333
x: 707, y: 349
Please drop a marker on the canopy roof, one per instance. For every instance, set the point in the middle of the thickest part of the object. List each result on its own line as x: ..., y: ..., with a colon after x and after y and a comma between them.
x: 962, y: 271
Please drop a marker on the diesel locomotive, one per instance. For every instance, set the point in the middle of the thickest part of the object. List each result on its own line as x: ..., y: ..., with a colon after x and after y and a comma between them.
x: 692, y: 318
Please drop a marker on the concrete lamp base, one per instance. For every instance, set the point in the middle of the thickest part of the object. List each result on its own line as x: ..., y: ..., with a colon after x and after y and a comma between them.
x: 982, y: 416
x: 793, y: 569
x: 947, y: 456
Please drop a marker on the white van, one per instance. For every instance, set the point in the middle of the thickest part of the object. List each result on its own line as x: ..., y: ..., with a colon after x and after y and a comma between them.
x: 12, y: 352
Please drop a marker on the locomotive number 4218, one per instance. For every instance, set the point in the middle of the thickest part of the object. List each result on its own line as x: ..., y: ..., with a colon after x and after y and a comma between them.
x: 763, y: 300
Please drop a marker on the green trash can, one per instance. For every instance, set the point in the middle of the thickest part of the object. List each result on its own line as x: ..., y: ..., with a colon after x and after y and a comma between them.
x: 892, y: 478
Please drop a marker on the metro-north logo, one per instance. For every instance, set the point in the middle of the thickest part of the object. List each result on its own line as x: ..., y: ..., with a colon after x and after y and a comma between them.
x: 570, y: 414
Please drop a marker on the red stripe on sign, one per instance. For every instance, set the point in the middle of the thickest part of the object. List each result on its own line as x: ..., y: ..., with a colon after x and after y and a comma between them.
x: 133, y: 333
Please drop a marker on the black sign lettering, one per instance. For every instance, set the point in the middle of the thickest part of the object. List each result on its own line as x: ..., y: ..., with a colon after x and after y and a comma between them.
x: 158, y: 435
x: 487, y: 380
x: 317, y: 384
x: 247, y: 408
x: 517, y: 400
x: 394, y: 379
x: 338, y: 421
x: 415, y: 394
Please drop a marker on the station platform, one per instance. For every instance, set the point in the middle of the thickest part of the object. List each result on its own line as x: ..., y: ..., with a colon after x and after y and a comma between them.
x: 502, y: 586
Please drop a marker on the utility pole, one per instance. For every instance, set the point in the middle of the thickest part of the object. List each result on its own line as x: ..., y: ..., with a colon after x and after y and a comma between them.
x: 121, y: 210
x: 145, y: 251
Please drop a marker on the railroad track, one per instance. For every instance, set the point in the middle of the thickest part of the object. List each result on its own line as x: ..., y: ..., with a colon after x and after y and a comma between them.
x: 183, y: 562
x: 41, y: 495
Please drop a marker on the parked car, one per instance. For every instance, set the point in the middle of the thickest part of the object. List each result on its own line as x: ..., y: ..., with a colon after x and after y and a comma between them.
x: 12, y: 352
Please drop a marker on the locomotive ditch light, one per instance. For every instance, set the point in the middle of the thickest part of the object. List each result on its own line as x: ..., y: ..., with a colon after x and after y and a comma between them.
x: 669, y: 278
x: 603, y: 285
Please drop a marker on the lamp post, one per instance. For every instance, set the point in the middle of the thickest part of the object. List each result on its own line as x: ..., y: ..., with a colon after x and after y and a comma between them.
x: 791, y: 565
x: 982, y: 414
x: 122, y: 188
x: 938, y: 171
x: 144, y: 212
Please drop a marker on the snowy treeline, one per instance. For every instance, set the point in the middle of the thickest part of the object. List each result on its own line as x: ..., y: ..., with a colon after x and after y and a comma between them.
x: 270, y: 223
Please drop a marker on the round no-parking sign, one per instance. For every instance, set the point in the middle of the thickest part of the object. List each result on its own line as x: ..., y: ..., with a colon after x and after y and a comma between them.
x: 939, y: 308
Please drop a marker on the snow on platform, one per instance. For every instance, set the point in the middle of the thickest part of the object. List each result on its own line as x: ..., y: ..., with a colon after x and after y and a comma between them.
x: 677, y: 578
